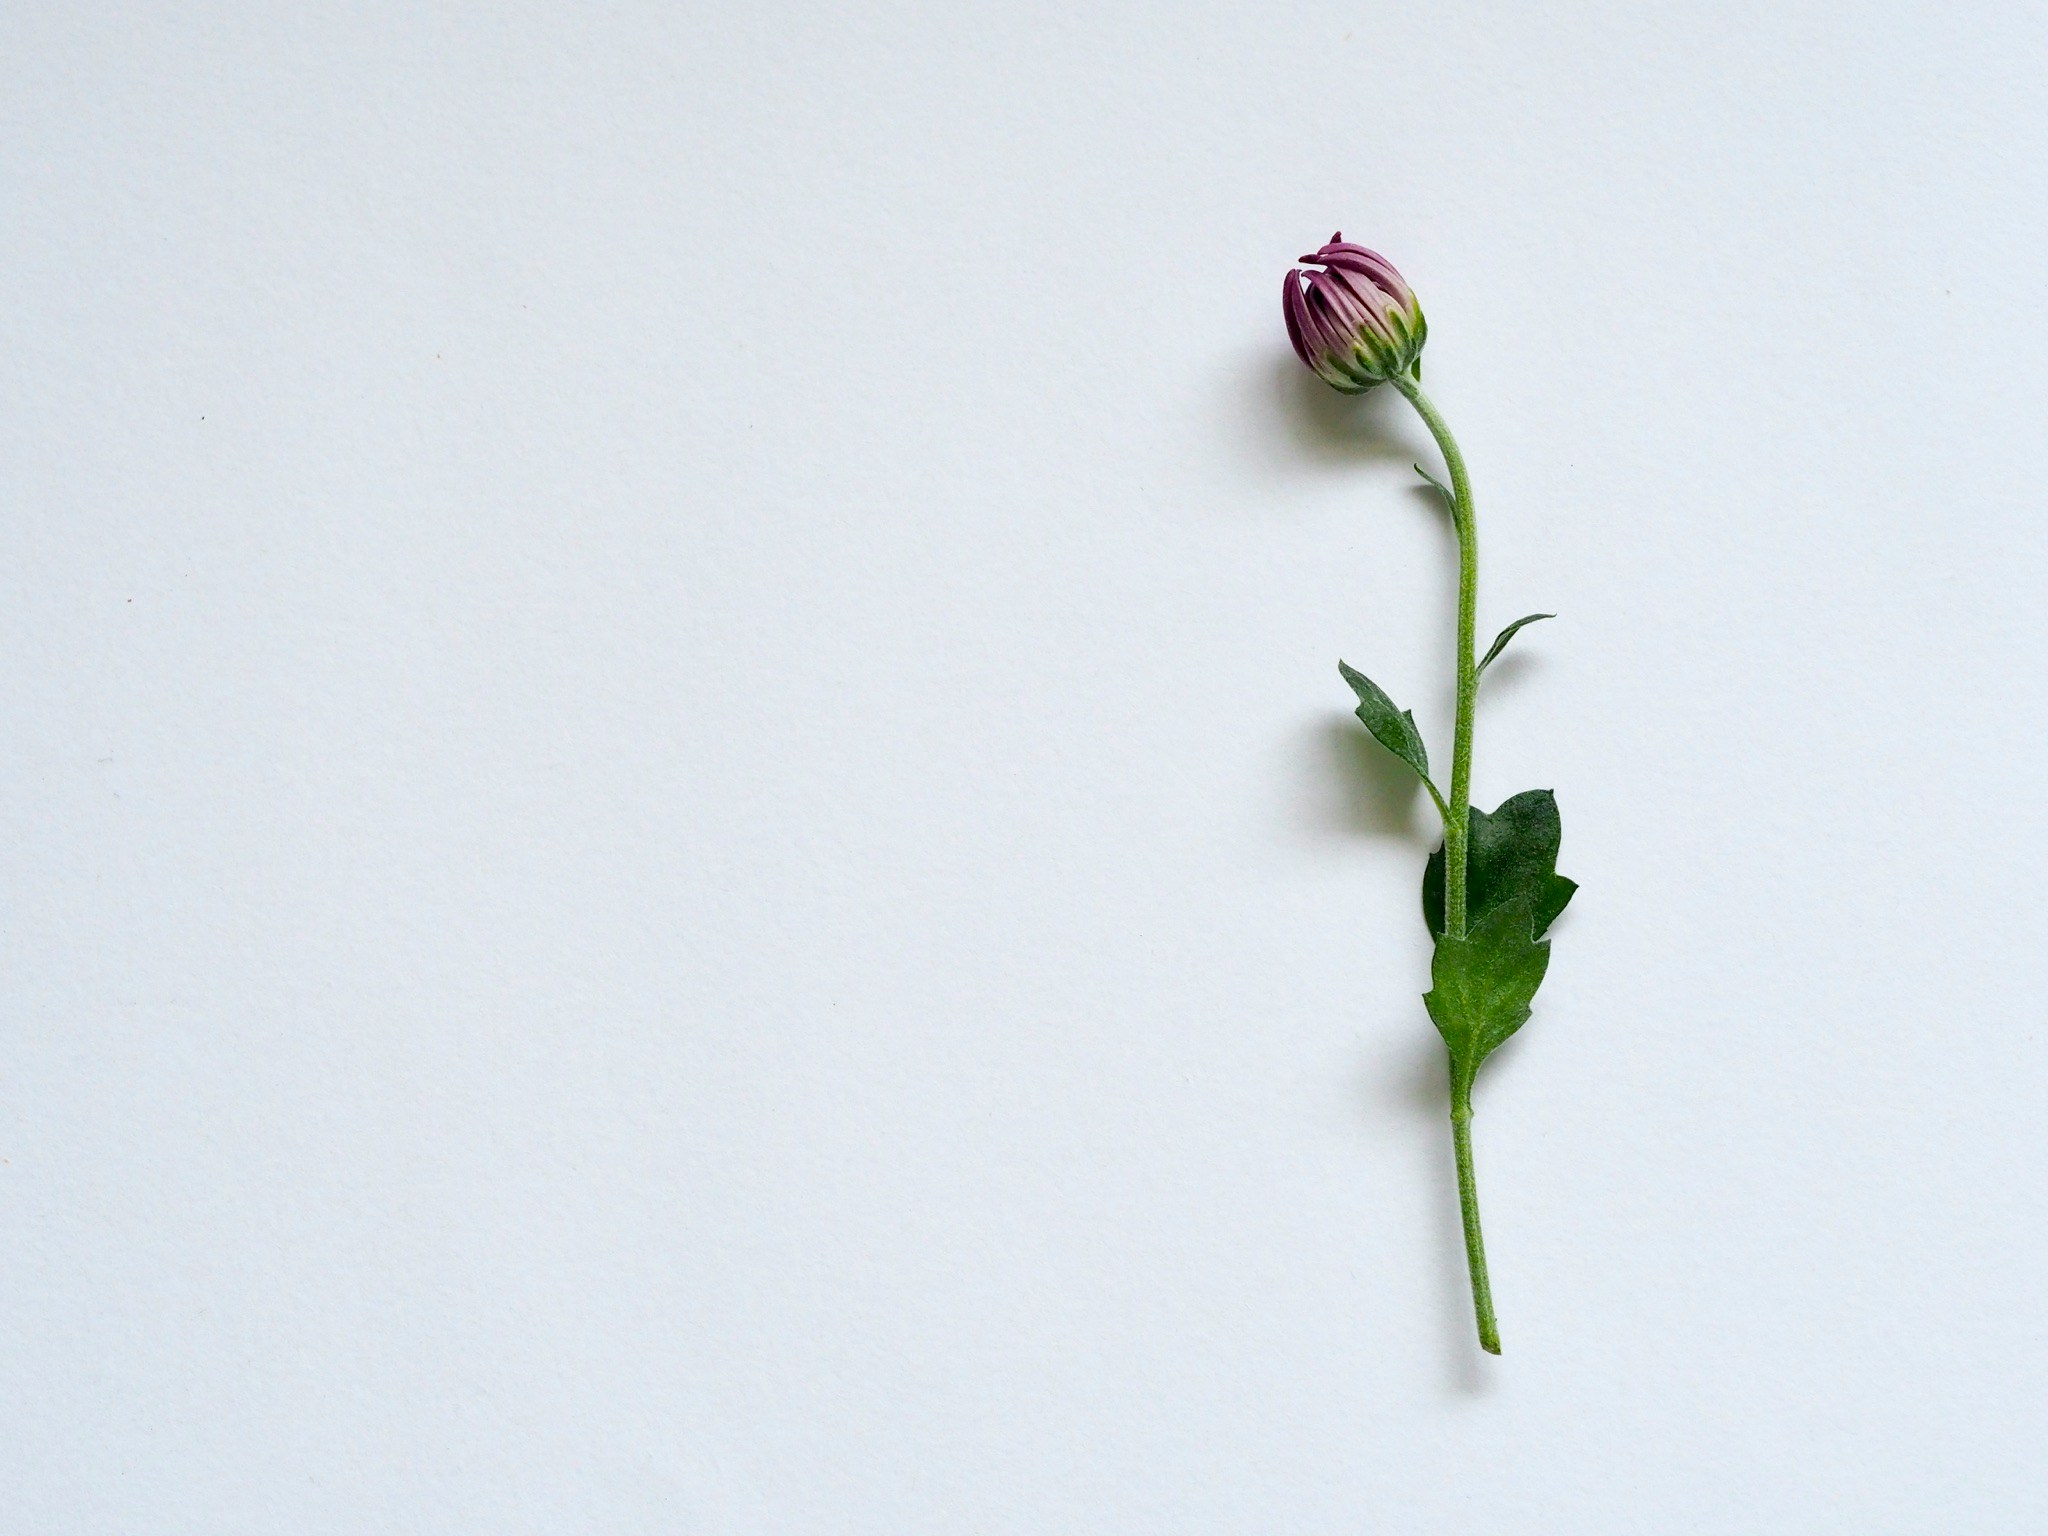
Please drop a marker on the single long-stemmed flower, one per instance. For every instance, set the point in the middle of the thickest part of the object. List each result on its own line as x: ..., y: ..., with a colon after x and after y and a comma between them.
x: 1492, y: 890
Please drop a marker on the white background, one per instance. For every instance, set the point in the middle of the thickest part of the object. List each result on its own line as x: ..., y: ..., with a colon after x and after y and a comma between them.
x: 682, y: 853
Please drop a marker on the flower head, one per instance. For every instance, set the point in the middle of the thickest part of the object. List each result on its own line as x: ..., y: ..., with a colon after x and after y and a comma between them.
x: 1355, y: 322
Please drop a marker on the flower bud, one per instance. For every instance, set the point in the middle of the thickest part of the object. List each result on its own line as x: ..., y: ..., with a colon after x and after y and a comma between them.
x: 1355, y: 323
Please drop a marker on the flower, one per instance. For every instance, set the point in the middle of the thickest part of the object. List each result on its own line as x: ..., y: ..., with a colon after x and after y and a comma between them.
x: 1355, y: 323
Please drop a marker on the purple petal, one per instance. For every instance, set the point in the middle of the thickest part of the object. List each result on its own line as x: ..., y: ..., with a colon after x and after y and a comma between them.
x: 1291, y: 306
x: 1373, y: 267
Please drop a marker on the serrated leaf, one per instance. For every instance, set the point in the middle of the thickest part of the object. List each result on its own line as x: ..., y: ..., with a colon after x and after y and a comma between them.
x: 1450, y: 501
x: 1511, y: 853
x: 1500, y: 641
x: 1481, y: 986
x: 1392, y: 728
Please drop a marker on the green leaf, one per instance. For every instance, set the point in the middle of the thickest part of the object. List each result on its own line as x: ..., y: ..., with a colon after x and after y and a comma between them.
x: 1481, y: 986
x: 1442, y: 490
x: 1392, y: 728
x: 1500, y: 641
x: 1509, y: 855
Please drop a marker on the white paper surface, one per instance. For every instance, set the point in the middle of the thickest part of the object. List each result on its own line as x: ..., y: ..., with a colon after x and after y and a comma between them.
x: 682, y: 852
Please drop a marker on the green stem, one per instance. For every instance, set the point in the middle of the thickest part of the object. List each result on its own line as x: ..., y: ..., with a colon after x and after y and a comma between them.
x: 1456, y: 812
x: 1457, y: 823
x: 1468, y: 1208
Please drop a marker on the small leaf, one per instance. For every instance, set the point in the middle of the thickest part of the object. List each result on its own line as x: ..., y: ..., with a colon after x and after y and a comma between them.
x: 1500, y: 641
x: 1508, y: 855
x: 1481, y: 986
x: 1442, y: 490
x: 1392, y: 728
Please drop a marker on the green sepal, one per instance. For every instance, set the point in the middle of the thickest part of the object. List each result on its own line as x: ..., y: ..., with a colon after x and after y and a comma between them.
x: 1450, y: 501
x: 1481, y: 986
x: 1500, y: 641
x: 1508, y: 855
x: 1392, y: 728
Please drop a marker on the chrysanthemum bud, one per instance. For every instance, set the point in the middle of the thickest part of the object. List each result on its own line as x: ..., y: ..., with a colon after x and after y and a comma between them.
x: 1355, y: 323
